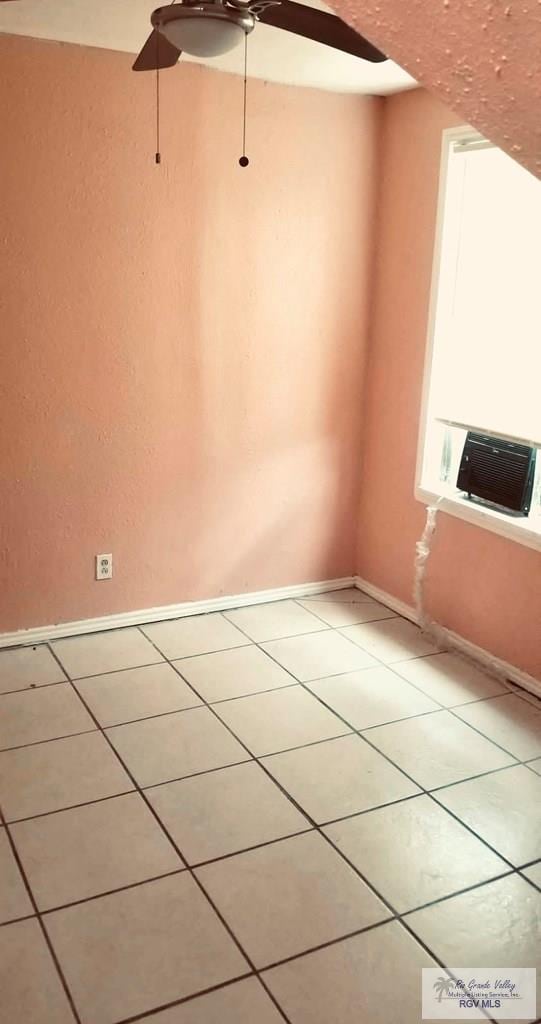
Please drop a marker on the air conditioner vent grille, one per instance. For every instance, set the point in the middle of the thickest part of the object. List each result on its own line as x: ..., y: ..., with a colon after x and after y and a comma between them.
x: 501, y: 472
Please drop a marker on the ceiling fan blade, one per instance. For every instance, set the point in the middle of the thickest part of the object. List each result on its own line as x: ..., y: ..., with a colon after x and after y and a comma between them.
x: 157, y: 52
x: 318, y: 25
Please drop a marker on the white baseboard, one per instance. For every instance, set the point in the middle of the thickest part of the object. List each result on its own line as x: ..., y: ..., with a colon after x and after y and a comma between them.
x: 471, y: 651
x: 41, y: 634
x: 400, y: 607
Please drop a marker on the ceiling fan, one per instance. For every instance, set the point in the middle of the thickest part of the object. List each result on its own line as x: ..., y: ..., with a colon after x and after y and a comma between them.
x: 208, y: 28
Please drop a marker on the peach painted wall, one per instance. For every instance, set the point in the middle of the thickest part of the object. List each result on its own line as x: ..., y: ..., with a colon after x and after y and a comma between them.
x: 485, y: 587
x: 481, y: 57
x: 182, y: 347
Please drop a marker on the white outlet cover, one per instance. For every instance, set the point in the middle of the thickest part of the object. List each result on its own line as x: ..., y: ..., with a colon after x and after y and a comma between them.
x: 104, y: 567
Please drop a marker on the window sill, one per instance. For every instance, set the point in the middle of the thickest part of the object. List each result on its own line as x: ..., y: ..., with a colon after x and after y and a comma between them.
x: 523, y: 531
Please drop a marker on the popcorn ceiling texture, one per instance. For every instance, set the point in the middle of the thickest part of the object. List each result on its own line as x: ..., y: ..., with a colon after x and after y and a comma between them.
x: 481, y: 57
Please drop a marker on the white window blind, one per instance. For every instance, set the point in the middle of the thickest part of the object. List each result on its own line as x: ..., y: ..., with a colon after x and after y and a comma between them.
x: 486, y: 357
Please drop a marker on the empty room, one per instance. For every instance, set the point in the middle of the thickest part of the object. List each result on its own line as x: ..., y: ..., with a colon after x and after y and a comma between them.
x: 270, y: 511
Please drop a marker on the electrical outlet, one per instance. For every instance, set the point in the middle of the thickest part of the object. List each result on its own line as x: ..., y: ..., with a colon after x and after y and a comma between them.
x: 104, y: 567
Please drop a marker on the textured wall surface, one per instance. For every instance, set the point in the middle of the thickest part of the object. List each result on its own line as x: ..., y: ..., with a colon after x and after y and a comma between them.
x: 484, y: 586
x: 481, y: 57
x: 182, y: 347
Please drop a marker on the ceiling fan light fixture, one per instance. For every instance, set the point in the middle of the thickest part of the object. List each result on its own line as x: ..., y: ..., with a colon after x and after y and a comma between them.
x: 208, y: 28
x: 203, y: 36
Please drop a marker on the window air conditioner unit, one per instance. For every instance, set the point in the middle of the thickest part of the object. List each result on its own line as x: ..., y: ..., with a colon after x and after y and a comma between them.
x: 499, y: 472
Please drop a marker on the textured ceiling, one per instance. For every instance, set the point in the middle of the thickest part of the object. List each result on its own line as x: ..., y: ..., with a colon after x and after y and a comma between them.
x: 481, y: 57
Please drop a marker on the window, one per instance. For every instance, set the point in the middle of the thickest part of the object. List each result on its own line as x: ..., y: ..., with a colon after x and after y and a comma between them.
x: 483, y: 364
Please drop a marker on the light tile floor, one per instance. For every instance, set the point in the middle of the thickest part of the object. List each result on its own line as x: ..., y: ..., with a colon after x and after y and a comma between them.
x: 278, y: 813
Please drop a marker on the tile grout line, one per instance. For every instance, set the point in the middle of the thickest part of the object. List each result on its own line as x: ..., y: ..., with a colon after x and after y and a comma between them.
x: 529, y: 864
x: 37, y: 916
x: 325, y: 627
x: 536, y: 885
x: 452, y: 711
x: 332, y: 942
x: 175, y: 846
x: 49, y: 739
x: 110, y: 892
x: 480, y: 775
x: 461, y: 892
x: 70, y: 807
x: 17, y: 920
x: 31, y: 687
x: 185, y: 999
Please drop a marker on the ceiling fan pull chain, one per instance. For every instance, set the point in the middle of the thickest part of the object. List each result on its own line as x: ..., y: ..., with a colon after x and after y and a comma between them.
x: 158, y: 154
x: 244, y: 159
